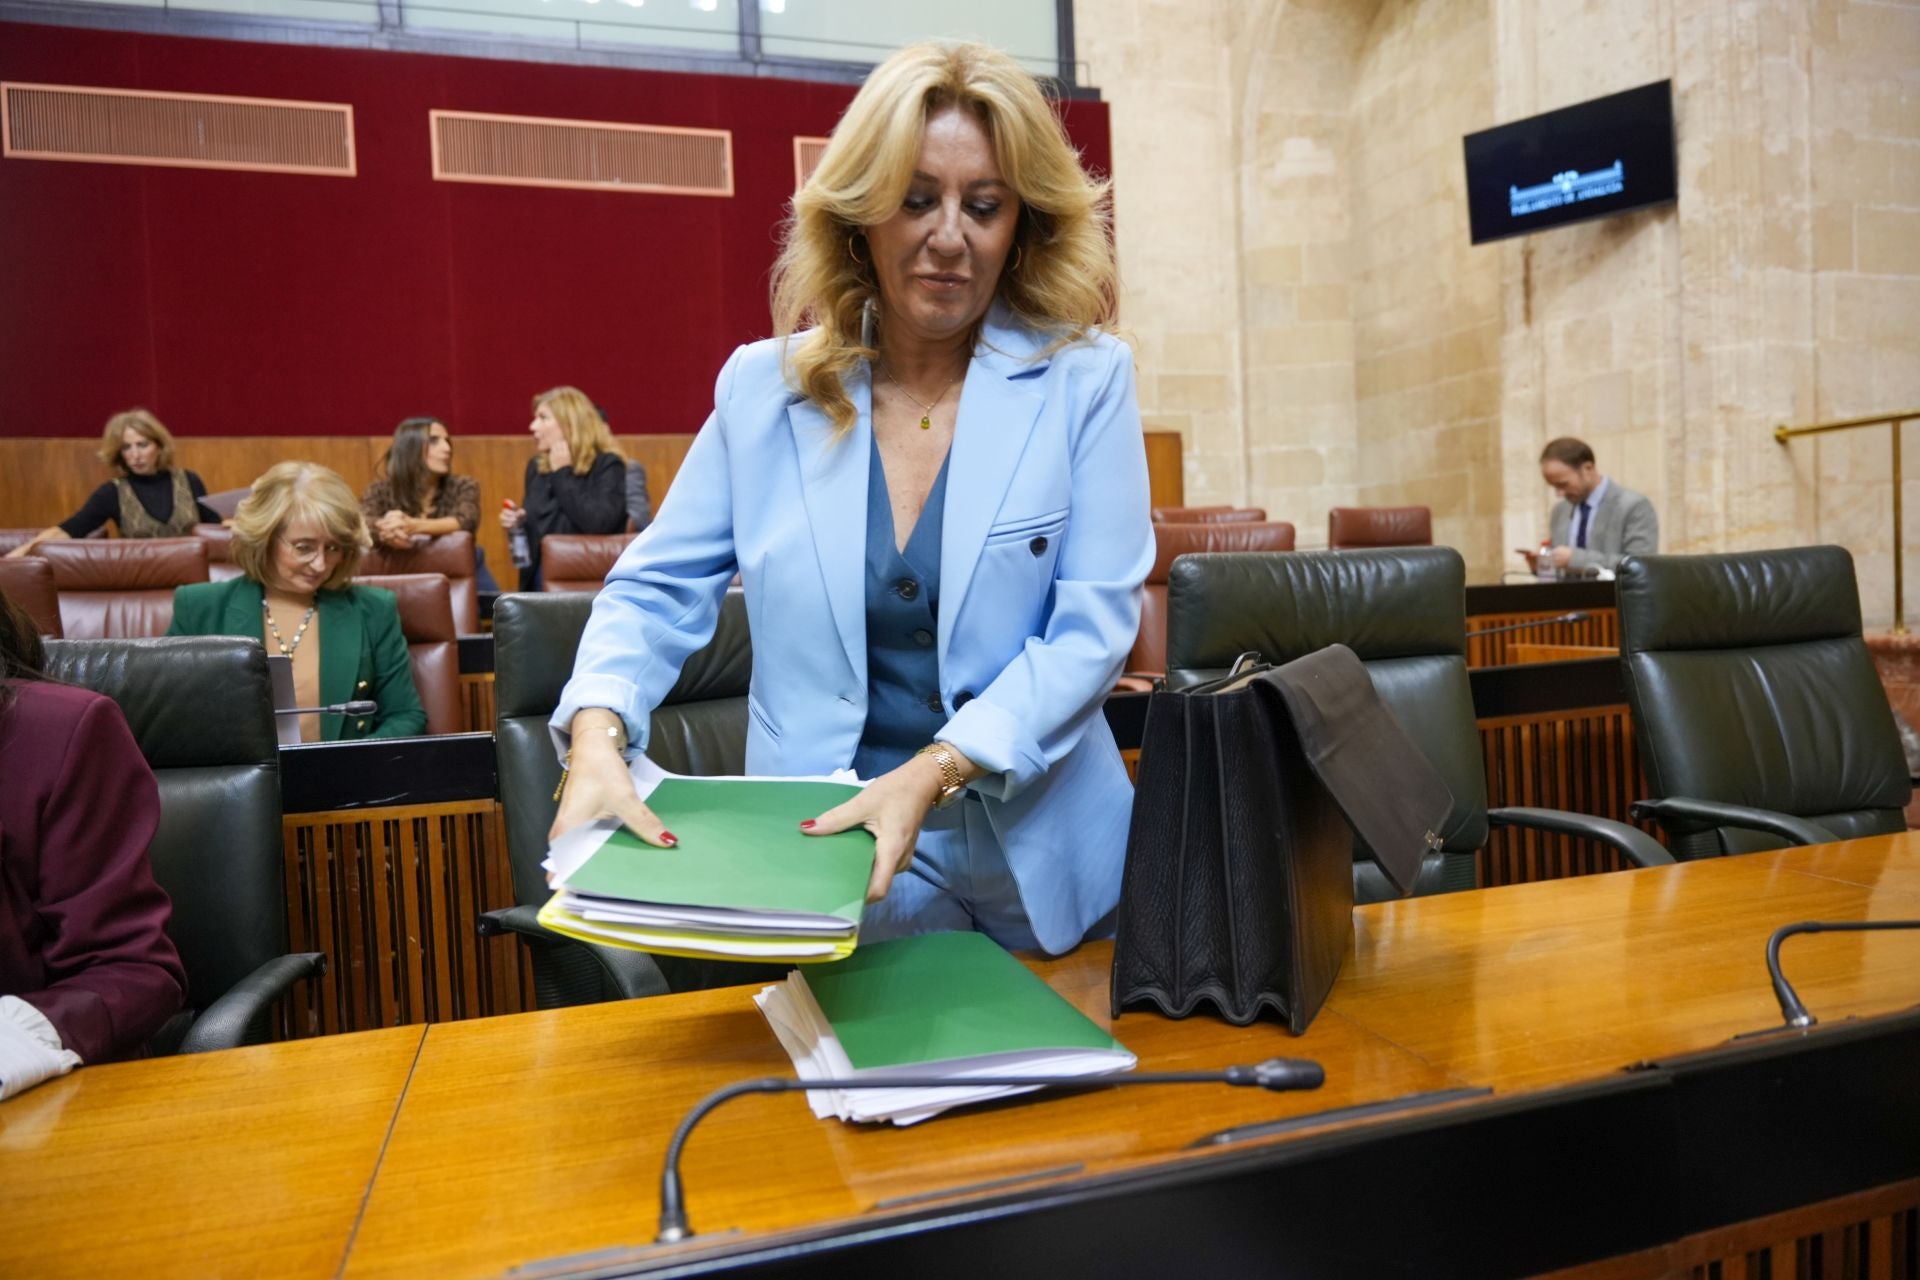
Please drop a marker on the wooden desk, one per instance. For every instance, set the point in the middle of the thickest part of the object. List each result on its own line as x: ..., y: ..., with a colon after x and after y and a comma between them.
x: 250, y: 1162
x: 576, y: 1105
x: 539, y: 1136
x: 1514, y: 988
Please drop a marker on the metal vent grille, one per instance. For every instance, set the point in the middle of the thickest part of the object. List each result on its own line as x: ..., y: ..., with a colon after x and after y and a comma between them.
x: 527, y: 151
x: 181, y: 130
x: 806, y: 158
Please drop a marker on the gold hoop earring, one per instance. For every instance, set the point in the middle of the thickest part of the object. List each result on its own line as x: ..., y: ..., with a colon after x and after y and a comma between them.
x: 858, y: 261
x: 1016, y: 260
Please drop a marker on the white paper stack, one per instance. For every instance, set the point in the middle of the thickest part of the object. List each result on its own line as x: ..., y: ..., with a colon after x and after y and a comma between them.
x: 951, y: 1005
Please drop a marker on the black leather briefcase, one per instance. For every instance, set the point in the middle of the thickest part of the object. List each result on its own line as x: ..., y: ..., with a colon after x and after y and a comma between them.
x: 1238, y: 890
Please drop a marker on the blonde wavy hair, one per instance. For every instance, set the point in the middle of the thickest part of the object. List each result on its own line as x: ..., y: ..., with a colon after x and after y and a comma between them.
x: 294, y: 491
x: 147, y: 425
x: 587, y: 433
x: 1061, y: 278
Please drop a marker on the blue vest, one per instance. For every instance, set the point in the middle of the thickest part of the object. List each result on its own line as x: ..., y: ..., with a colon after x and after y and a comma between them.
x: 903, y: 608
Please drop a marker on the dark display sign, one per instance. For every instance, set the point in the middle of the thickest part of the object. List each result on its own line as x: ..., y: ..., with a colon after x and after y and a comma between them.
x: 1587, y: 161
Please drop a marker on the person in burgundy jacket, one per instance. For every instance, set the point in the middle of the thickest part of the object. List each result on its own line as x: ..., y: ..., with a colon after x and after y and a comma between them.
x: 87, y: 972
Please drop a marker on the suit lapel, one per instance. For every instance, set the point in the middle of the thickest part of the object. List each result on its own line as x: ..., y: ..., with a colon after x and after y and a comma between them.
x: 833, y: 484
x: 340, y: 644
x: 240, y: 614
x: 1606, y: 514
x: 998, y: 406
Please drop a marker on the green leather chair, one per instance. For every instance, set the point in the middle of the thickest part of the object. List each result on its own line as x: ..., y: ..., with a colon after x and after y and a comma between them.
x: 700, y: 729
x: 1403, y: 612
x: 1760, y: 719
x: 201, y: 708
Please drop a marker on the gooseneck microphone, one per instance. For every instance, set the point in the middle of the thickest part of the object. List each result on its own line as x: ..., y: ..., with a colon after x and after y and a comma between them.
x: 1575, y: 616
x: 363, y: 707
x: 1790, y: 1007
x: 1277, y: 1074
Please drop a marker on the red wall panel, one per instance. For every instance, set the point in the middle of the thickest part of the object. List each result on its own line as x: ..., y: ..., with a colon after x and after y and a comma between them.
x: 273, y: 304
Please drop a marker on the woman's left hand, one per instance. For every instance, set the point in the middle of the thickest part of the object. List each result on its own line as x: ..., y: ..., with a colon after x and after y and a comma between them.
x: 892, y: 807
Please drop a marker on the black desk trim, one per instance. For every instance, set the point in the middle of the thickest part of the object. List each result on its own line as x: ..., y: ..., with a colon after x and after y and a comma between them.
x: 320, y: 777
x: 1537, y: 597
x: 1514, y: 1185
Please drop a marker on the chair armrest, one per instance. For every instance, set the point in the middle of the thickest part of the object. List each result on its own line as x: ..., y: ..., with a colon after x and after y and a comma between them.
x: 524, y: 921
x: 1682, y: 811
x: 632, y: 973
x: 1639, y: 848
x: 225, y: 1022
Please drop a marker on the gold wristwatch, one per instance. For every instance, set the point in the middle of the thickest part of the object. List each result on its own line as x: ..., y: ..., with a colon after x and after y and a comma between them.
x: 952, y: 783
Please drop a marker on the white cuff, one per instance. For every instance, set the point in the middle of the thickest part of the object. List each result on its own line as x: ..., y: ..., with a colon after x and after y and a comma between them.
x: 30, y: 1049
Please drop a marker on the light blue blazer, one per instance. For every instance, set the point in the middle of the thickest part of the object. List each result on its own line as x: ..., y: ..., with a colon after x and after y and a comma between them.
x: 1045, y: 541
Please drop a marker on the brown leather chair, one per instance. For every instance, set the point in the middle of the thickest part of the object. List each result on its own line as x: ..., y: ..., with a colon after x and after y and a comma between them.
x: 579, y: 561
x: 11, y: 538
x: 219, y: 540
x: 1209, y: 515
x: 450, y: 555
x: 426, y: 620
x: 28, y: 582
x: 1349, y: 527
x: 1149, y: 657
x: 121, y: 588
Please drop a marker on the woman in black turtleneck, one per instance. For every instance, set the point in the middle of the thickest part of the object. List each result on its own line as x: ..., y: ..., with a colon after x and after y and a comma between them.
x: 149, y: 498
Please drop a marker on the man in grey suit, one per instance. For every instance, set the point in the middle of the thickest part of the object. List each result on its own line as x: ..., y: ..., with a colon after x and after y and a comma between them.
x: 1597, y: 523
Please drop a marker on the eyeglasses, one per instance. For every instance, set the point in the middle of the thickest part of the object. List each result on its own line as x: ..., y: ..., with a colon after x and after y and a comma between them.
x: 307, y: 549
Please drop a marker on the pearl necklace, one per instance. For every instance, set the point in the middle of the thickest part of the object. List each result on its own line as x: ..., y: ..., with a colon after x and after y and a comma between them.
x: 286, y: 650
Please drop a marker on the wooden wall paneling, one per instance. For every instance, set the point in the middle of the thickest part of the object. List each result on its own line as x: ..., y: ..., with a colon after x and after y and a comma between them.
x: 1582, y: 760
x: 476, y: 700
x: 1870, y: 1235
x: 1166, y: 480
x: 391, y: 895
x: 1600, y: 629
x: 44, y: 480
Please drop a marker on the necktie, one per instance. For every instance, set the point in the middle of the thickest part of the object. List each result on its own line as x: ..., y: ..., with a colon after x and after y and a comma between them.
x: 1580, y: 536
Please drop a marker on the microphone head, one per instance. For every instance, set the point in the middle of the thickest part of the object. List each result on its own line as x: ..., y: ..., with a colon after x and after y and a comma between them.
x: 1289, y: 1073
x: 359, y: 707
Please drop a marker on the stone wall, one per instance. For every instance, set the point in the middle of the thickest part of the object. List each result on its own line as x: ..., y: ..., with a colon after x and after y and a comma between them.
x: 1426, y: 302
x: 1310, y: 315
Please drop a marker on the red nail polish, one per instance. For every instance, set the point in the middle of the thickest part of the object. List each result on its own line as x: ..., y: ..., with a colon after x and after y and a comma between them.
x: 667, y: 837
x: 807, y: 825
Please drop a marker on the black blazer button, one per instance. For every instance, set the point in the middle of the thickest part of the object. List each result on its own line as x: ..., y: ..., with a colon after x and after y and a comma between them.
x: 907, y: 588
x: 1038, y: 546
x: 961, y: 699
x: 933, y: 703
x: 923, y: 637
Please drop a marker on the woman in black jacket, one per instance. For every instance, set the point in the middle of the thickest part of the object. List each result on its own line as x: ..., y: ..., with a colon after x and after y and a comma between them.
x: 576, y: 483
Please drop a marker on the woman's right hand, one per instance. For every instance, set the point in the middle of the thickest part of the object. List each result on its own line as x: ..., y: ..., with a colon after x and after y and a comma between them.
x: 511, y: 514
x: 599, y: 786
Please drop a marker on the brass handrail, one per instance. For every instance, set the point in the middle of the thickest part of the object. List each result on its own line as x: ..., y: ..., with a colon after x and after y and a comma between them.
x: 1784, y: 433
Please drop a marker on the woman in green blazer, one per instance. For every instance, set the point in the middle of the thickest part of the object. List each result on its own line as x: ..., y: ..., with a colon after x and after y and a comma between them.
x: 298, y: 538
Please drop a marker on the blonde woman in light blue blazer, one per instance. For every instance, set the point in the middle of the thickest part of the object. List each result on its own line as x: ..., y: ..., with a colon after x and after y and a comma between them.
x: 934, y: 489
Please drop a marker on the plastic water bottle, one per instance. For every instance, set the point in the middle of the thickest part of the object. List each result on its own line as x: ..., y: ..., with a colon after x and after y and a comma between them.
x: 1543, y: 566
x: 517, y: 546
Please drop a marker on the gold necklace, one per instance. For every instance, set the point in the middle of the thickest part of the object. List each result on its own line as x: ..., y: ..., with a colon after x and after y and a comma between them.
x: 286, y: 650
x: 926, y: 410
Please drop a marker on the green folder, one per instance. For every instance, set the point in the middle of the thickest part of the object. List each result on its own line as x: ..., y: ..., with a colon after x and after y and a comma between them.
x: 740, y: 847
x: 938, y: 997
